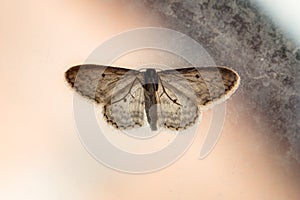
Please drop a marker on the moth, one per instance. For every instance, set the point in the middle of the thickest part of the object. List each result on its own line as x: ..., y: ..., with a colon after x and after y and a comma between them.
x: 171, y: 99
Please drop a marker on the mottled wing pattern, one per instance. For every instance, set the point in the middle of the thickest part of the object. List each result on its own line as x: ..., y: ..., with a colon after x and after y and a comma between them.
x: 210, y: 85
x: 126, y: 110
x: 194, y: 89
x: 119, y: 90
x: 177, y: 106
x: 95, y: 82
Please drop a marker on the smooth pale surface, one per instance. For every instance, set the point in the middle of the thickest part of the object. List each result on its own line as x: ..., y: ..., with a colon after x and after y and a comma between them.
x: 286, y: 13
x: 41, y: 154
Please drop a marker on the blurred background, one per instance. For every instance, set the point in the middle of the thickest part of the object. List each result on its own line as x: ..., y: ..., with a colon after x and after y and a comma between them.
x: 257, y: 156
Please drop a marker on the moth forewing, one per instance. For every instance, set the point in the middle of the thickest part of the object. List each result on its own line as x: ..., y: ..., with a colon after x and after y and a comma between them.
x: 211, y: 85
x: 222, y: 83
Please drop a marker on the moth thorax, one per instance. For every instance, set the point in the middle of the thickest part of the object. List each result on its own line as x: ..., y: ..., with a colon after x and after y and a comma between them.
x: 151, y: 76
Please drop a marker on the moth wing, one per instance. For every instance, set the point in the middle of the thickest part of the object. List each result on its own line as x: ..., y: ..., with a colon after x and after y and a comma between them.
x: 177, y: 107
x: 119, y: 90
x: 96, y: 82
x: 126, y: 110
x: 210, y: 85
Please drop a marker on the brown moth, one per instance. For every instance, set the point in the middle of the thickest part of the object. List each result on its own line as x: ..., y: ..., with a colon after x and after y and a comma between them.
x: 171, y: 99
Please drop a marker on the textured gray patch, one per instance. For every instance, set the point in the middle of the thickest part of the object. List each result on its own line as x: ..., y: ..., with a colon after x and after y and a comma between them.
x: 238, y: 34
